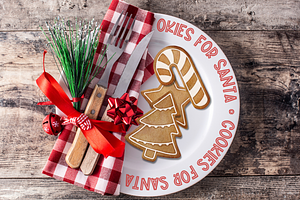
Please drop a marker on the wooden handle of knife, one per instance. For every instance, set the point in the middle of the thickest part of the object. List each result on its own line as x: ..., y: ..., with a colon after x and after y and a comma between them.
x: 91, y: 157
x: 80, y: 144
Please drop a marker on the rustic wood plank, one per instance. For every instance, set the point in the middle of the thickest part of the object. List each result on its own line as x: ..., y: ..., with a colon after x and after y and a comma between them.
x: 207, y: 15
x: 268, y: 187
x: 266, y: 62
x: 267, y: 70
x: 232, y: 15
x: 24, y: 146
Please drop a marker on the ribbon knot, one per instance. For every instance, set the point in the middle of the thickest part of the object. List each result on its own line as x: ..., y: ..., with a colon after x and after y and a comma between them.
x: 83, y: 122
x: 96, y: 132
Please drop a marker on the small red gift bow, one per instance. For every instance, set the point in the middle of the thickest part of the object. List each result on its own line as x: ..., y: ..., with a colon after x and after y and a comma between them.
x: 124, y: 110
x: 98, y: 135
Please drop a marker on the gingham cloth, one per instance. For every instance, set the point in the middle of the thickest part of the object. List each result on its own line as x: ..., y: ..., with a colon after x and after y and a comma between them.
x: 106, y: 177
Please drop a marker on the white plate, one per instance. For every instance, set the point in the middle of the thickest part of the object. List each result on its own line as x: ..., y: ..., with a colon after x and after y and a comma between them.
x: 198, y: 159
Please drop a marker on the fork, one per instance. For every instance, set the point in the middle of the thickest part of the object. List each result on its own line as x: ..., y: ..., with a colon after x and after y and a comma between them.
x: 115, y: 48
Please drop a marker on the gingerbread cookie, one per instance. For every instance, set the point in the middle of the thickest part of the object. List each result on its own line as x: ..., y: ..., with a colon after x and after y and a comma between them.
x: 157, y: 130
x: 180, y: 96
x: 173, y: 56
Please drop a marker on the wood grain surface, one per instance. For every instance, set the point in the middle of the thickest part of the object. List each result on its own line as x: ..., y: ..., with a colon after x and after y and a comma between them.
x: 261, y: 40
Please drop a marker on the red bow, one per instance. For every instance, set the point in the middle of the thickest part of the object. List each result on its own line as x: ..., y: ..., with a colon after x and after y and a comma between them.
x: 83, y: 122
x: 99, y: 137
x: 124, y: 110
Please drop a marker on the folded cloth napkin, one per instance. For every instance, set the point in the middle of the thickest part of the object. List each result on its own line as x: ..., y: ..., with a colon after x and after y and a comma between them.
x: 106, y: 177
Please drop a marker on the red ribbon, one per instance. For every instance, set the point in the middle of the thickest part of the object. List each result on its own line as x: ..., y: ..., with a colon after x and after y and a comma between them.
x: 99, y: 137
x: 46, y: 103
x: 124, y: 110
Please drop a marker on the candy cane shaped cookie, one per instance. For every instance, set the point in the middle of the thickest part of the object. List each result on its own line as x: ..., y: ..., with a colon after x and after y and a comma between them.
x: 173, y: 56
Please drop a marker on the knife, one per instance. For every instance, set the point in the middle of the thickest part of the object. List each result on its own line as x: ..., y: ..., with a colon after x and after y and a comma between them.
x: 91, y: 158
x: 80, y: 144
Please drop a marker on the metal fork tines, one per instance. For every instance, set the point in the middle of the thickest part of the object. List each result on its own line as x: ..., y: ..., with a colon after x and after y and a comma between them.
x: 115, y: 47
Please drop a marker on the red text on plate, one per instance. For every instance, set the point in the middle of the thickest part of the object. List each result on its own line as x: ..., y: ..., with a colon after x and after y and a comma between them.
x: 229, y: 86
x: 206, y: 47
x: 221, y: 142
x: 184, y: 176
x: 175, y: 28
x: 146, y: 183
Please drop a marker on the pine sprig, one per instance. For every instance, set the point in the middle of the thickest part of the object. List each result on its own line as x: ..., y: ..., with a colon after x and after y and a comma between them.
x: 74, y: 48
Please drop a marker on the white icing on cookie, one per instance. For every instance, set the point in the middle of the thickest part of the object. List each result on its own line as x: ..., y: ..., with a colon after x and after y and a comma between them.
x: 139, y: 142
x: 163, y: 63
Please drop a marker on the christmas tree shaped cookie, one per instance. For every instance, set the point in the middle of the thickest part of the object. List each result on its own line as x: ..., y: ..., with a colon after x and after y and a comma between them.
x: 157, y: 130
x: 180, y: 96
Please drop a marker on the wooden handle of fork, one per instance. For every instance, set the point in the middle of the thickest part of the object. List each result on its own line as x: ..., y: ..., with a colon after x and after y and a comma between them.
x: 91, y: 157
x: 78, y: 148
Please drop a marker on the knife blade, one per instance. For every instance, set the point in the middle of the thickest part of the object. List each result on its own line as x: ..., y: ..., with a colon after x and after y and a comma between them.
x: 91, y: 157
x: 131, y: 65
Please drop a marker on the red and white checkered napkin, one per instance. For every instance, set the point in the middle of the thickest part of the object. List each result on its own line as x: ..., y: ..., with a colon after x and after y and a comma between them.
x: 106, y: 177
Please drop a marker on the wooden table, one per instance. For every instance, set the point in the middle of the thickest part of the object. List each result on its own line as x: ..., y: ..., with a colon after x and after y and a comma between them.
x: 261, y: 40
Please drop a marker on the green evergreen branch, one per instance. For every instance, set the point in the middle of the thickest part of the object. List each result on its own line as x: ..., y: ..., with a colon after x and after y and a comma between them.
x: 75, y: 49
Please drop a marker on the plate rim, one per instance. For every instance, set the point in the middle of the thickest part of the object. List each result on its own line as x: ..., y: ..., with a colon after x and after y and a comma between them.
x: 225, y: 150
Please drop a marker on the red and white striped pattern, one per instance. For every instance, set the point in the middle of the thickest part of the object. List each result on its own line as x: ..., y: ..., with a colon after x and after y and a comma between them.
x: 106, y: 176
x: 179, y: 58
x: 82, y: 121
